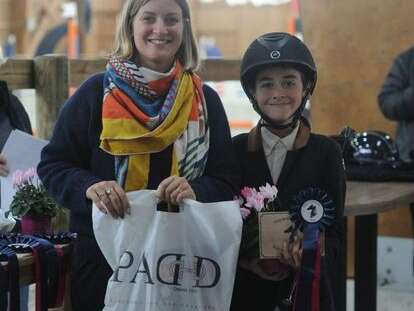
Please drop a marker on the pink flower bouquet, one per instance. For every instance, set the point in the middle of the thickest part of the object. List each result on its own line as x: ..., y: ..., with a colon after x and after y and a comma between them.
x: 253, y: 201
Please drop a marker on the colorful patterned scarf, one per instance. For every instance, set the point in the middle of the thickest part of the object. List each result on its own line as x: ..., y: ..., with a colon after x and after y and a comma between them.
x: 144, y: 112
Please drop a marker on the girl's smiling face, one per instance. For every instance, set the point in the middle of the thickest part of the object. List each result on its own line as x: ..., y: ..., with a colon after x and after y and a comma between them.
x: 278, y: 92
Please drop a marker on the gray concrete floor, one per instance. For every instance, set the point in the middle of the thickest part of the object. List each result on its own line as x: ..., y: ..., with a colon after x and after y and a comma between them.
x: 389, y: 298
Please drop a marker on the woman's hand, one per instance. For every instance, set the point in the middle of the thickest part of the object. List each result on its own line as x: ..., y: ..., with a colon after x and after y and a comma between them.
x: 4, y: 170
x: 110, y: 198
x: 173, y: 190
x: 292, y: 252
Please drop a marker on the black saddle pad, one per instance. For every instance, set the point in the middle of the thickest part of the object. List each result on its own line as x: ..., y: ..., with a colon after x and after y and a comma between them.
x: 377, y: 173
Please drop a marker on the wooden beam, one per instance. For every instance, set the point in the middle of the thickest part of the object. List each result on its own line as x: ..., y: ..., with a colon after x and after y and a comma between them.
x: 18, y: 73
x: 52, y: 89
x: 81, y: 69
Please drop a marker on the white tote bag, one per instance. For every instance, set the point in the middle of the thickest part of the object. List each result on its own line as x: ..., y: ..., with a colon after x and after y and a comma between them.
x: 170, y: 261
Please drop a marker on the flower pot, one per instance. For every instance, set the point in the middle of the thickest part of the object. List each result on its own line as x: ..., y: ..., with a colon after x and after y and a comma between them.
x: 35, y: 224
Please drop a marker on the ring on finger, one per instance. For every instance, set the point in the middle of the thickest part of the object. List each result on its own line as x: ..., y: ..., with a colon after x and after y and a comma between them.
x: 108, y: 190
x: 100, y: 194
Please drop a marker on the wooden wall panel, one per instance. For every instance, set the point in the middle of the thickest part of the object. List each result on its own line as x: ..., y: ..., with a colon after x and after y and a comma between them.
x: 234, y: 27
x: 354, y: 43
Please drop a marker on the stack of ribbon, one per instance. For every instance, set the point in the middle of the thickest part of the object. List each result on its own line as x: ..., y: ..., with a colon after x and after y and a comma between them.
x: 49, y: 268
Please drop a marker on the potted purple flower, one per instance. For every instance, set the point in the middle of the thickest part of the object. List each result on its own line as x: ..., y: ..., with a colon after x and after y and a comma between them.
x: 31, y: 203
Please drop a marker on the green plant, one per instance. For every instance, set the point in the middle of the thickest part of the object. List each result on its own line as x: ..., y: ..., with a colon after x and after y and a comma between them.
x: 31, y: 197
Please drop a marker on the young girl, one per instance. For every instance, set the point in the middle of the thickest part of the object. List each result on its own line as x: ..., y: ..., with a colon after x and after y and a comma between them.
x: 278, y: 75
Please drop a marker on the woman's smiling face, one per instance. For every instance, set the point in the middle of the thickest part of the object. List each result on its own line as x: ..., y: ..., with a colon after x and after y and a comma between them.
x: 158, y: 33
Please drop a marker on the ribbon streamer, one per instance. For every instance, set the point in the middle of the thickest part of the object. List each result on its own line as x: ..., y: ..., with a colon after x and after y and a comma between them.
x: 312, y: 212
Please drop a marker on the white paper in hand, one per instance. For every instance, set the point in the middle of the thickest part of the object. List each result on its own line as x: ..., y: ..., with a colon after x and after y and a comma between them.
x: 22, y: 151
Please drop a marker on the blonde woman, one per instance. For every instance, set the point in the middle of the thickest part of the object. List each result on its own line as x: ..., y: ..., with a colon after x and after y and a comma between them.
x: 148, y: 122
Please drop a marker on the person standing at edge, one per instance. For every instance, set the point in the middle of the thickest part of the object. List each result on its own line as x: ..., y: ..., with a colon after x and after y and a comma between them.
x: 278, y: 74
x: 148, y: 122
x: 396, y: 101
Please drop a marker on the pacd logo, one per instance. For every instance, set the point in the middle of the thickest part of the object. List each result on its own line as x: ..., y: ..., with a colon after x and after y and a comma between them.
x: 173, y: 269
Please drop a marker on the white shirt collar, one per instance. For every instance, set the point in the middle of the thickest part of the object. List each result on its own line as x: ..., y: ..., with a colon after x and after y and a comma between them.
x: 270, y: 140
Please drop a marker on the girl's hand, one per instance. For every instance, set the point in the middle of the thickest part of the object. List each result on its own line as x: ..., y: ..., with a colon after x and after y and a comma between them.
x: 292, y: 252
x: 268, y: 269
x: 4, y: 170
x: 110, y: 198
x: 173, y: 190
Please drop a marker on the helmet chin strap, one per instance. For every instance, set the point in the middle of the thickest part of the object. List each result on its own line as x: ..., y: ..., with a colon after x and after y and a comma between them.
x: 268, y: 122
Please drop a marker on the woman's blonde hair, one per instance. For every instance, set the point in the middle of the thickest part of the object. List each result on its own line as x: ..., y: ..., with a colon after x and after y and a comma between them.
x: 124, y: 46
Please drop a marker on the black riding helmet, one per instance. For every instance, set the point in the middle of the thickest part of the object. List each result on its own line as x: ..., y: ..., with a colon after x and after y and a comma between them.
x: 277, y: 48
x: 374, y: 147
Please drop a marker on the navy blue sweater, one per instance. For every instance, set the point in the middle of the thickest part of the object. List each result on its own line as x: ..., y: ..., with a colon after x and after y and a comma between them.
x: 73, y: 161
